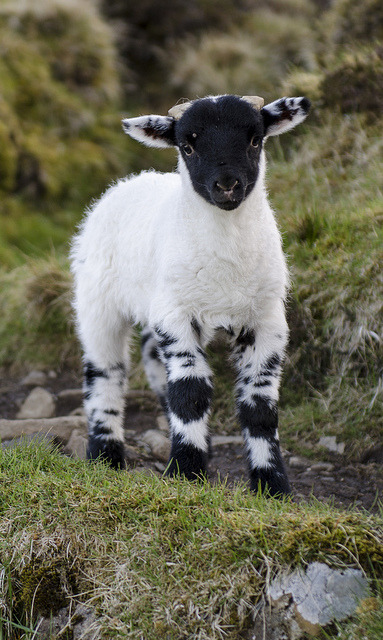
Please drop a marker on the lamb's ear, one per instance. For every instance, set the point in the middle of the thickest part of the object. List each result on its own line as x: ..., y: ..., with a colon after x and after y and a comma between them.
x: 153, y: 131
x: 284, y: 114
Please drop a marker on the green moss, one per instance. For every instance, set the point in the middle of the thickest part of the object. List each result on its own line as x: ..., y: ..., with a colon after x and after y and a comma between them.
x: 45, y: 587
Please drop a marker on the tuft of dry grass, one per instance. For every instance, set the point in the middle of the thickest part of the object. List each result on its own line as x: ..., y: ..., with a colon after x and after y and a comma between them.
x: 236, y: 61
x: 37, y: 319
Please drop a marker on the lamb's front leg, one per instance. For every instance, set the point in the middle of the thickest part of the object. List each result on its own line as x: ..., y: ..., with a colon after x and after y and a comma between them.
x: 189, y: 392
x: 258, y: 359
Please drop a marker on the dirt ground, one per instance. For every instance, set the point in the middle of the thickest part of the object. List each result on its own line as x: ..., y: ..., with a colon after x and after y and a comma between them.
x: 338, y: 480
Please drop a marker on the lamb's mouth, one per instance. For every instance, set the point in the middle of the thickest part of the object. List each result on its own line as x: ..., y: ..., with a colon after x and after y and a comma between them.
x: 228, y: 205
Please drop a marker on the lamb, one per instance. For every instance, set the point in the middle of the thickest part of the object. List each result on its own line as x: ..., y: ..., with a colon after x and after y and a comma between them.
x: 185, y: 255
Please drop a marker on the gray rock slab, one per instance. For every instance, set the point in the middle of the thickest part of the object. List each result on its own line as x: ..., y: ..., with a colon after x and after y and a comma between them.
x: 330, y: 443
x: 162, y: 423
x: 62, y: 427
x: 322, y: 466
x: 38, y: 404
x: 80, y: 624
x: 31, y: 438
x: 217, y: 441
x: 71, y: 394
x: 321, y: 594
x: 77, y: 444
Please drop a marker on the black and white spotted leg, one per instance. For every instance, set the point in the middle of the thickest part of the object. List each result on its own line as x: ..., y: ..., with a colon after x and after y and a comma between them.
x: 104, y: 394
x: 154, y: 368
x: 189, y: 392
x: 258, y: 360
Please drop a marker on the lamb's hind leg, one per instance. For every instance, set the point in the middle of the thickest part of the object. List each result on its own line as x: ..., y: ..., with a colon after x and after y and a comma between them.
x: 154, y: 368
x: 105, y: 381
x: 104, y: 391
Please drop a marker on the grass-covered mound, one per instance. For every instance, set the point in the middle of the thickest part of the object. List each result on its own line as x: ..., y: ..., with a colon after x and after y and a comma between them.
x: 156, y: 558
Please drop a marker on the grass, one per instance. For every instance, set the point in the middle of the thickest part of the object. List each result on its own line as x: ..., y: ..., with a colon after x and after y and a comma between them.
x: 156, y: 558
x: 333, y: 234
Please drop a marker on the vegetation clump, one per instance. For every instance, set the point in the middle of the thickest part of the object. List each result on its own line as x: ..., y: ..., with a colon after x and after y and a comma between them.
x: 355, y: 83
x: 59, y: 85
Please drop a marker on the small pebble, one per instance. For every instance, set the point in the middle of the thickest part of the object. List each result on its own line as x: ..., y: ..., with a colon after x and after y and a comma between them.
x: 297, y: 462
x: 38, y: 404
x: 162, y: 423
x: 34, y: 379
x: 322, y: 466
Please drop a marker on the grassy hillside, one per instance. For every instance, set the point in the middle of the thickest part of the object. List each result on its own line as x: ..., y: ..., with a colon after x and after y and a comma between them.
x: 189, y: 560
x: 324, y: 182
x: 155, y: 558
x: 59, y: 113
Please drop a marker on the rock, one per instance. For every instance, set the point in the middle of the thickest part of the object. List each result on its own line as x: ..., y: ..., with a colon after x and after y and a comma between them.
x: 276, y: 622
x: 80, y: 411
x: 79, y: 624
x: 330, y: 443
x: 38, y: 404
x: 131, y: 453
x: 322, y: 466
x: 162, y: 423
x: 297, y: 462
x: 320, y: 595
x: 62, y: 427
x: 77, y: 444
x: 53, y: 625
x: 84, y: 628
x: 50, y: 438
x: 158, y: 443
x: 34, y: 378
x: 217, y: 441
x: 70, y: 393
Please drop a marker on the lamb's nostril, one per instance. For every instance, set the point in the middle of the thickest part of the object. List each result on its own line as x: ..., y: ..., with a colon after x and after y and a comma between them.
x: 226, y: 188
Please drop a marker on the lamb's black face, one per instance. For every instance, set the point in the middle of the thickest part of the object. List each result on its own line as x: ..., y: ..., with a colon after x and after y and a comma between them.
x: 220, y: 141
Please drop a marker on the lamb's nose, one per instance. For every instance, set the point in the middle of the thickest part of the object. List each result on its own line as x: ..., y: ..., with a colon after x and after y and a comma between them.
x: 227, y: 188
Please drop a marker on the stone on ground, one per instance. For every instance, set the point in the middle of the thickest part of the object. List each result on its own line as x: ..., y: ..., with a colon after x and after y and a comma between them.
x: 320, y: 595
x: 34, y: 378
x: 158, y: 444
x: 38, y: 404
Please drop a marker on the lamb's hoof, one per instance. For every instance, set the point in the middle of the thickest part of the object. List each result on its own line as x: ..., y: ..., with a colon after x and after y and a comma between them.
x: 189, y: 472
x: 111, y: 452
x: 270, y: 482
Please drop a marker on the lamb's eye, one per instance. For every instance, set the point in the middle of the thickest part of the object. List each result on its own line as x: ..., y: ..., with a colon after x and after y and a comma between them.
x: 188, y: 149
x: 255, y: 141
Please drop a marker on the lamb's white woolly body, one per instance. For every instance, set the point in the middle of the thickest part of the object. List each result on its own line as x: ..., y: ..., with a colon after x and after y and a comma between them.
x: 177, y: 256
x: 187, y: 254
